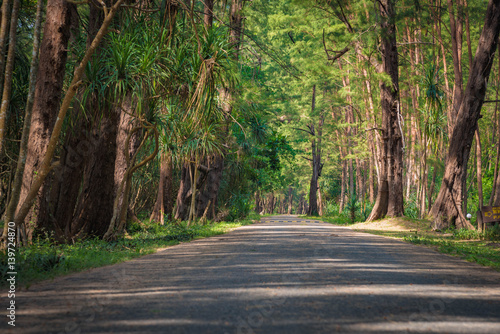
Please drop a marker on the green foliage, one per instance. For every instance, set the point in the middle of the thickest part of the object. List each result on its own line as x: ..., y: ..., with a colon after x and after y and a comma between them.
x: 352, y: 206
x: 411, y: 206
x: 491, y: 233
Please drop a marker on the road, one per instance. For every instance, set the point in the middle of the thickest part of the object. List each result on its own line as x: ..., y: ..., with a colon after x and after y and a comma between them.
x: 282, y: 275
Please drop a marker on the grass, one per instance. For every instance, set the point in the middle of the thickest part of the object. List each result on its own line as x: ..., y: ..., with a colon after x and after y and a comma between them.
x: 46, y: 260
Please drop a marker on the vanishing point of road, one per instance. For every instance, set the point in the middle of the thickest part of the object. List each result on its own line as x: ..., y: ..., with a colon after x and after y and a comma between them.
x: 282, y: 275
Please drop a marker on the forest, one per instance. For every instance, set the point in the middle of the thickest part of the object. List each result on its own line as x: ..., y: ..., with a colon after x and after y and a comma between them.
x: 116, y: 112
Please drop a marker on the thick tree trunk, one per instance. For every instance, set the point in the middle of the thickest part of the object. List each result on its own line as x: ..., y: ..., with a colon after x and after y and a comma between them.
x: 46, y: 164
x: 48, y: 91
x: 95, y: 206
x: 258, y: 206
x: 447, y: 209
x: 209, y: 189
x: 390, y: 193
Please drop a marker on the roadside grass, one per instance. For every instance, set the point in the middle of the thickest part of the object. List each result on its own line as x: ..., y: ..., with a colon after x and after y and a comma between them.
x: 473, y: 246
x: 45, y: 259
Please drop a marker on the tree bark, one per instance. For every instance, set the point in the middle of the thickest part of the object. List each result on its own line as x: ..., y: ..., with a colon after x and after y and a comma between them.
x: 23, y: 150
x: 290, y: 200
x: 456, y: 29
x: 208, y: 13
x: 164, y: 202
x: 48, y: 91
x: 46, y: 165
x: 7, y: 86
x: 447, y: 208
x: 209, y: 189
x: 390, y: 193
x: 4, y: 30
x: 316, y: 160
x: 479, y: 167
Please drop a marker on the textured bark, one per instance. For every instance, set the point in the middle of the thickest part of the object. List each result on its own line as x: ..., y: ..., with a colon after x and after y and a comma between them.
x: 4, y: 30
x: 7, y: 86
x: 447, y: 208
x: 126, y: 123
x: 53, y: 55
x: 23, y: 149
x: 46, y: 164
x: 316, y: 160
x: 208, y: 197
x: 208, y: 15
x: 236, y: 24
x: 64, y: 186
x: 389, y: 200
x: 94, y: 210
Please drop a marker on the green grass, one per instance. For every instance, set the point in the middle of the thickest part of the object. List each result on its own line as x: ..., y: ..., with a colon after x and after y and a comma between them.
x: 476, y: 251
x: 45, y: 260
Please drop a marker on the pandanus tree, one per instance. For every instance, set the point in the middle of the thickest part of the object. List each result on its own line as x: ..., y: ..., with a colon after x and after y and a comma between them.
x: 212, y: 67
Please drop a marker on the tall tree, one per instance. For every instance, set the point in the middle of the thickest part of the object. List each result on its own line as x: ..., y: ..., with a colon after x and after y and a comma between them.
x: 48, y: 92
x: 316, y: 164
x: 7, y: 86
x: 447, y: 208
x: 389, y: 200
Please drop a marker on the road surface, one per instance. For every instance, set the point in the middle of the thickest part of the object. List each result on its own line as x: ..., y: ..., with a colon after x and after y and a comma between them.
x: 282, y: 275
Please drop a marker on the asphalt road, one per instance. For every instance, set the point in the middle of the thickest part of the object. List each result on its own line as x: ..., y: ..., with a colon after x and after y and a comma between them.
x: 283, y: 275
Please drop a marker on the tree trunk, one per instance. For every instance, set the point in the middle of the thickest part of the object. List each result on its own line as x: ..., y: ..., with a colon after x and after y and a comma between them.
x: 290, y: 200
x: 447, y: 208
x: 4, y: 30
x: 208, y: 13
x: 7, y: 86
x: 13, y: 201
x: 46, y: 164
x: 320, y: 202
x: 479, y: 166
x: 95, y: 206
x: 164, y: 200
x: 316, y: 161
x: 390, y: 193
x: 209, y: 189
x: 258, y: 208
x: 183, y: 201
x: 495, y: 196
x: 456, y: 29
x: 48, y: 91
